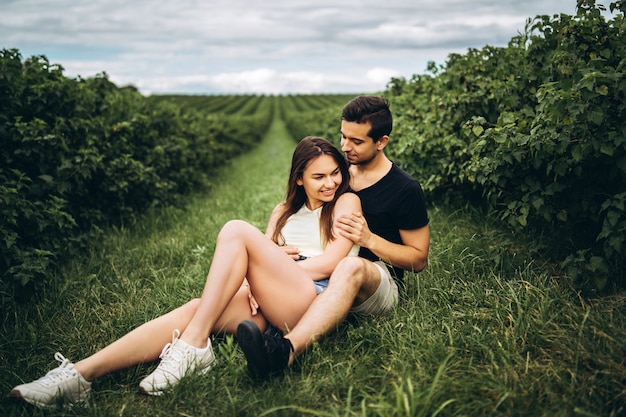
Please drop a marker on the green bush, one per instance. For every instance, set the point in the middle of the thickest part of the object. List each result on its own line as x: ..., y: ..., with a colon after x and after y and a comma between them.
x: 536, y: 130
x: 80, y: 154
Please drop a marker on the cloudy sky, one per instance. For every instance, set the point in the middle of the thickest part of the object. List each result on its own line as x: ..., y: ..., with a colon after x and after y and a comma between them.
x: 263, y: 46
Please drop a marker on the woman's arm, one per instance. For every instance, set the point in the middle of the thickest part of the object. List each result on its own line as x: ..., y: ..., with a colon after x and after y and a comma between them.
x: 271, y: 222
x: 320, y: 267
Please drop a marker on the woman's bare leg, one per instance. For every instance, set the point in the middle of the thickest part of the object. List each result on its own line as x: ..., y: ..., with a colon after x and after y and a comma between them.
x: 237, y: 311
x: 144, y: 344
x: 284, y: 291
x: 278, y: 283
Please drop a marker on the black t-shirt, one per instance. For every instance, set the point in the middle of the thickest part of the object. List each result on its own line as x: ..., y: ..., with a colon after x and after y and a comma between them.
x: 396, y: 202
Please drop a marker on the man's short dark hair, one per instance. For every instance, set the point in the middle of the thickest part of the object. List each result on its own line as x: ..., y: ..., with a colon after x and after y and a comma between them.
x: 371, y: 109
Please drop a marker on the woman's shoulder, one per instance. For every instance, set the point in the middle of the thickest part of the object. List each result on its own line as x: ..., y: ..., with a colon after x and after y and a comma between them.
x: 349, y: 198
x: 279, y: 208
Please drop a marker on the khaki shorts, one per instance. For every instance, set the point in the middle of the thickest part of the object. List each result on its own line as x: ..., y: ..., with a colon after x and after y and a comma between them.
x: 385, y: 297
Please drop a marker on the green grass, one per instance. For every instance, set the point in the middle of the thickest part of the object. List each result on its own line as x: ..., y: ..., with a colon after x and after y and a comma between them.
x: 484, y: 331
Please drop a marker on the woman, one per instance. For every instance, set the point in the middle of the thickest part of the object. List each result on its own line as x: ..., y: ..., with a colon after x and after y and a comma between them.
x: 251, y: 278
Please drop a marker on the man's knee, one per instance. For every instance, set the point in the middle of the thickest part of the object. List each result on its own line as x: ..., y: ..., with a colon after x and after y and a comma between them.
x: 357, y: 273
x: 351, y: 270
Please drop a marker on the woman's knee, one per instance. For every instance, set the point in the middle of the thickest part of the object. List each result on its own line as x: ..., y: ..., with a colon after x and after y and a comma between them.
x: 233, y: 228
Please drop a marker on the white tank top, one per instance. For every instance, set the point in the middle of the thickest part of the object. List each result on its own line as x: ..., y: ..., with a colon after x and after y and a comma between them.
x: 302, y: 230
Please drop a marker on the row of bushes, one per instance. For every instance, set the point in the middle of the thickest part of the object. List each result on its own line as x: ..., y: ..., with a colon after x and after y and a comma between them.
x: 318, y: 115
x: 534, y: 131
x: 80, y: 154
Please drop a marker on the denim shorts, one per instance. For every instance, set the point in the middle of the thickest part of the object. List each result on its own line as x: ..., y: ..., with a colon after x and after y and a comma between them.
x: 321, y: 285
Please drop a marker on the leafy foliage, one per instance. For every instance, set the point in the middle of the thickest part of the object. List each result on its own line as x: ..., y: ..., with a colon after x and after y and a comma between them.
x: 535, y: 129
x: 80, y: 154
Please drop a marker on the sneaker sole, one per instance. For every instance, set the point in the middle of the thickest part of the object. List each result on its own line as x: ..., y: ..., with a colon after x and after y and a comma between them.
x: 45, y: 406
x: 250, y: 340
x: 18, y: 396
x: 153, y: 393
x: 159, y: 392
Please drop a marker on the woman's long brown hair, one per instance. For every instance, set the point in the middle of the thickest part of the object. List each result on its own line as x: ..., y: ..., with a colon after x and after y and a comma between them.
x: 309, y: 148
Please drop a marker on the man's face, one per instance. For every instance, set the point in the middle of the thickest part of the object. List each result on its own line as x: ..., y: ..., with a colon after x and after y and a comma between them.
x: 359, y: 148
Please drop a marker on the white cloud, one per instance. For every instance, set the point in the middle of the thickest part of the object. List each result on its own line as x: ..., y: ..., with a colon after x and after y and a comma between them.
x: 269, y: 81
x: 274, y: 46
x: 380, y: 76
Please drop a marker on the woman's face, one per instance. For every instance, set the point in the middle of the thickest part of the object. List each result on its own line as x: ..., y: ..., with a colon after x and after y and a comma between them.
x: 320, y: 181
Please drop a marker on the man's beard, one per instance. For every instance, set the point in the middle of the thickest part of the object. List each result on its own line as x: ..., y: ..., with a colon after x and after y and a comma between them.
x: 363, y: 161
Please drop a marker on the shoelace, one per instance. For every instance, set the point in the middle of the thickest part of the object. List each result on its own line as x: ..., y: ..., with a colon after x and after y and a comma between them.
x: 168, y: 355
x: 60, y: 373
x: 281, y: 346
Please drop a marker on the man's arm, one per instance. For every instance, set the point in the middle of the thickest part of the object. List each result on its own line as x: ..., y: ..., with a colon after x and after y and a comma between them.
x: 411, y: 255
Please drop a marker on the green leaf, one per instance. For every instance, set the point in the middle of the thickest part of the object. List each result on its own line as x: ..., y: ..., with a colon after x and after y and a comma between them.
x: 607, y: 149
x: 477, y: 130
x: 46, y: 178
x: 602, y: 90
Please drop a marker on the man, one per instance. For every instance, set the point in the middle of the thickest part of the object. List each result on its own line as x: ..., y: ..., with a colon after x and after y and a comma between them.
x: 392, y: 231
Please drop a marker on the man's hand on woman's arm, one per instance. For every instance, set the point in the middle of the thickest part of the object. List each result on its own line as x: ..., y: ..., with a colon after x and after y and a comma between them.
x: 411, y: 255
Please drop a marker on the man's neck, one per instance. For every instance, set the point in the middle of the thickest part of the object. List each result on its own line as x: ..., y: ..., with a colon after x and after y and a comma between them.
x: 363, y: 176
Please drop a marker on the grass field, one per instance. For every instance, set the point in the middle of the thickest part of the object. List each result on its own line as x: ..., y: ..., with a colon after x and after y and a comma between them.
x: 484, y: 331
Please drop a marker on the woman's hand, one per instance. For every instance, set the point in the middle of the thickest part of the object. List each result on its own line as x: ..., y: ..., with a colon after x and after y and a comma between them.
x: 254, y: 306
x: 291, y: 251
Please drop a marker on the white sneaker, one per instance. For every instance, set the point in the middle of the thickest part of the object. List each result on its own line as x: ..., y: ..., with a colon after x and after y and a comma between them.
x: 60, y: 384
x: 177, y: 360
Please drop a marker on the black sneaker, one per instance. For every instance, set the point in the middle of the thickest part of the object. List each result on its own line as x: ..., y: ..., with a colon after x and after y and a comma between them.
x: 266, y: 354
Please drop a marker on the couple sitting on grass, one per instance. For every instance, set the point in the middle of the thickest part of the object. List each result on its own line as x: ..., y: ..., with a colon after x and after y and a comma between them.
x: 302, y: 277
